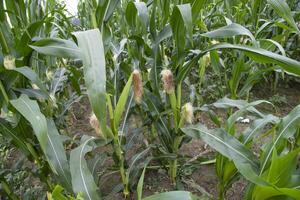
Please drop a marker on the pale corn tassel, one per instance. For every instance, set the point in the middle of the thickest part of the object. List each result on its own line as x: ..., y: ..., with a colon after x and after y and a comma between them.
x: 9, y: 62
x: 137, y: 86
x: 167, y: 79
x: 95, y: 123
x: 188, y: 113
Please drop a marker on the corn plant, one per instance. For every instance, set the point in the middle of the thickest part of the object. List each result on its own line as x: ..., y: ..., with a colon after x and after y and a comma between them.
x: 239, y: 159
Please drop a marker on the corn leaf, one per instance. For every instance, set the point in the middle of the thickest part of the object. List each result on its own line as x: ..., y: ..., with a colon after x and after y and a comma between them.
x: 33, y: 77
x: 283, y: 10
x: 82, y: 179
x: 47, y: 136
x: 257, y: 126
x: 181, y: 23
x: 122, y: 102
x: 229, y: 31
x: 91, y: 45
x: 262, y: 56
x: 287, y: 128
x: 57, y: 47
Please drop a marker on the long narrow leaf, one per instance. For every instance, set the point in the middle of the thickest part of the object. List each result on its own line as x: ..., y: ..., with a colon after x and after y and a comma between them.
x: 82, y: 178
x: 47, y: 136
x: 91, y: 46
x: 57, y: 47
x: 262, y: 56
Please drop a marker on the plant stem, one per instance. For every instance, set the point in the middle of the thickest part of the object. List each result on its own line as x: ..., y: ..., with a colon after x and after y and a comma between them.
x: 173, y: 103
x: 221, y: 191
x: 4, y: 93
x: 125, y: 180
x: 94, y: 20
x: 173, y: 170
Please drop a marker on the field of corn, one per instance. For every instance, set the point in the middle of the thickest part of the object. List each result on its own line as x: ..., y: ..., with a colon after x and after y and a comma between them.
x: 150, y: 100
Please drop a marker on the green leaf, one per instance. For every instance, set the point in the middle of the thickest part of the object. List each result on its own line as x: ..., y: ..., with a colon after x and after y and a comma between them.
x: 252, y: 79
x: 181, y: 23
x: 57, y: 47
x: 283, y: 10
x: 280, y: 174
x: 82, y: 178
x: 122, y: 102
x: 142, y: 12
x: 22, y: 45
x: 263, y: 56
x: 224, y: 143
x: 105, y: 10
x: 229, y: 31
x: 7, y: 131
x: 249, y: 107
x: 264, y: 42
x: 33, y: 77
x: 137, y: 11
x: 282, y: 168
x: 287, y: 128
x: 197, y: 6
x: 58, y: 193
x: 91, y: 45
x: 243, y: 159
x: 47, y: 136
x: 230, y: 147
x: 58, y: 157
x: 165, y: 33
x: 174, y: 195
x: 139, y: 189
x: 257, y: 125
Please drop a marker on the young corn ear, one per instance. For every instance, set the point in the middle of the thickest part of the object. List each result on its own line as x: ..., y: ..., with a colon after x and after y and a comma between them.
x: 188, y: 113
x: 95, y: 123
x: 137, y: 86
x: 167, y: 79
x: 9, y: 62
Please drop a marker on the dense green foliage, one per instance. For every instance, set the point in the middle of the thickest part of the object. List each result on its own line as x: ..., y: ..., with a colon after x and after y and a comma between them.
x: 161, y: 61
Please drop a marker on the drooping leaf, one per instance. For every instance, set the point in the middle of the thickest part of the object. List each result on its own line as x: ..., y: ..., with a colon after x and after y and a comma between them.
x: 257, y: 125
x: 82, y: 179
x: 229, y: 31
x: 47, y: 136
x: 287, y: 128
x: 33, y: 77
x: 227, y: 145
x: 57, y: 47
x: 263, y: 56
x: 230, y: 147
